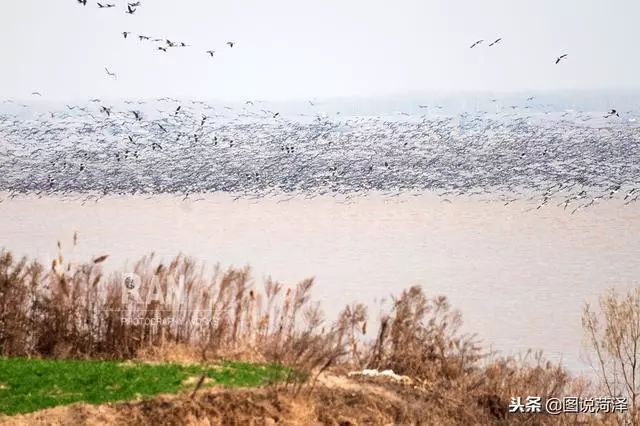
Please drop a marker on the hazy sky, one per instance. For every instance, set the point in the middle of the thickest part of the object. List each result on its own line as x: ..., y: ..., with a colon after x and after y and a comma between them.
x: 316, y: 49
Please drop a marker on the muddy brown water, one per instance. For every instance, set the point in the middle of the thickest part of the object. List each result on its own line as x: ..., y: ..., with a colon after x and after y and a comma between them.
x: 520, y: 276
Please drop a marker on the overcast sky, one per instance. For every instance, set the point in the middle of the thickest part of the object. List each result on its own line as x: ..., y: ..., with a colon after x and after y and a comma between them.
x: 293, y: 49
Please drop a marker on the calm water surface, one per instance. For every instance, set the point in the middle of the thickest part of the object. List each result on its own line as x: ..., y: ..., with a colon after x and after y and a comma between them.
x: 519, y: 276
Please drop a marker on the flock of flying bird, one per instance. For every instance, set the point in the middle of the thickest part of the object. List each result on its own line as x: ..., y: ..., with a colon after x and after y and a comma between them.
x: 165, y: 44
x: 169, y: 146
x: 574, y: 159
x: 499, y: 39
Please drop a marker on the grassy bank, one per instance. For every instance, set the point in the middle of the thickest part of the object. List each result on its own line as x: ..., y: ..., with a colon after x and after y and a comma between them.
x: 28, y: 385
x: 63, y: 311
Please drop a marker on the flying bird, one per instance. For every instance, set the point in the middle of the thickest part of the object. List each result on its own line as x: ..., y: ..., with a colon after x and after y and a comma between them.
x: 142, y: 37
x: 612, y: 113
x: 495, y: 42
x: 137, y: 115
x: 230, y: 43
x: 106, y: 5
x: 136, y: 4
x: 126, y: 33
x: 211, y: 52
x: 560, y: 58
x: 476, y: 43
x: 110, y: 74
x: 83, y: 2
x: 130, y: 10
x: 164, y: 49
x: 36, y: 93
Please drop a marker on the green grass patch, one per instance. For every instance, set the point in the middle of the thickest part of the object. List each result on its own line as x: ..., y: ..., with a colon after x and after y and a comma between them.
x: 28, y: 385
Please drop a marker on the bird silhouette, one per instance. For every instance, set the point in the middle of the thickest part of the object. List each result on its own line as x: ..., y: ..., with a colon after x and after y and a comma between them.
x: 211, y: 52
x: 130, y: 10
x: 231, y: 43
x: 476, y: 44
x: 126, y: 33
x: 110, y: 74
x: 495, y: 42
x: 560, y: 58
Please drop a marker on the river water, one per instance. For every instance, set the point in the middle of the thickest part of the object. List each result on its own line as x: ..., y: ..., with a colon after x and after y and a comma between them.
x: 519, y: 275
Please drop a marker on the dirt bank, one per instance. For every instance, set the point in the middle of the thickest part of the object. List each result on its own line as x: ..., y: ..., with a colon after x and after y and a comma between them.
x: 336, y: 400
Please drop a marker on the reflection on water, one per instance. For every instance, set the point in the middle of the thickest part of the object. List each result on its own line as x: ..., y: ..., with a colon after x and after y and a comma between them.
x: 519, y: 276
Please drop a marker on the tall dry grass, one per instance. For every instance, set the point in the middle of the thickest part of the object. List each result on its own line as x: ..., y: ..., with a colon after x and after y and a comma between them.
x: 76, y: 310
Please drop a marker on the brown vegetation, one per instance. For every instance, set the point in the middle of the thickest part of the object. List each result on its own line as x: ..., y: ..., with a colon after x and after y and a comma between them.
x: 613, y: 333
x: 69, y: 310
